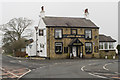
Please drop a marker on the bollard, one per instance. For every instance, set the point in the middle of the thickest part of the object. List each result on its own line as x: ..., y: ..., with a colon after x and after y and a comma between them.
x: 106, y: 57
x: 70, y: 55
x: 113, y: 57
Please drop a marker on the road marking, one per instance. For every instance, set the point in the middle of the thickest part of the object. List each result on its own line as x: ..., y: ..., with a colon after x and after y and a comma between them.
x: 9, y: 72
x: 104, y: 67
x: 97, y: 75
x: 91, y: 63
x: 24, y: 73
x: 82, y: 69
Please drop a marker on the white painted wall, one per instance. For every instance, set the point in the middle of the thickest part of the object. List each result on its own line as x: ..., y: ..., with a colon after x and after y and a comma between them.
x: 31, y: 51
x: 42, y: 39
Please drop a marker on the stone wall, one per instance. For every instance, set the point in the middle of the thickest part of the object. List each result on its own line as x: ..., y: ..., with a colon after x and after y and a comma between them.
x: 109, y: 53
x: 51, y: 42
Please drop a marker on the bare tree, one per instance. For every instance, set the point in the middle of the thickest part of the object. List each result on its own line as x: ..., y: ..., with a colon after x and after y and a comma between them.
x: 18, y: 26
x: 14, y: 30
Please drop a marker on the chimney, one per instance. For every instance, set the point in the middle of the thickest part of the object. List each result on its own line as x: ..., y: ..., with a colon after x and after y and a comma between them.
x: 86, y: 14
x: 42, y: 13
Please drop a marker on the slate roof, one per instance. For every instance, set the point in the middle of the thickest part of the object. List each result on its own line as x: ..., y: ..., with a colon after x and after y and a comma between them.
x: 68, y: 22
x: 104, y: 38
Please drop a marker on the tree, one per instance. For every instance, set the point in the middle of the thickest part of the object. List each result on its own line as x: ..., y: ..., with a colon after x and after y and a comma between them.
x: 17, y: 26
x: 14, y: 31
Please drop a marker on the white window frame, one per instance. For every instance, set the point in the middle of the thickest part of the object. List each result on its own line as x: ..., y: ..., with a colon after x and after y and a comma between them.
x: 111, y: 43
x: 88, y: 44
x: 101, y: 45
x: 88, y: 33
x: 108, y: 44
x: 60, y: 33
x: 58, y: 44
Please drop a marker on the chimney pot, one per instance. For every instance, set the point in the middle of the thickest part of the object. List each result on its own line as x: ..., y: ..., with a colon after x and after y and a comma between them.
x: 42, y: 8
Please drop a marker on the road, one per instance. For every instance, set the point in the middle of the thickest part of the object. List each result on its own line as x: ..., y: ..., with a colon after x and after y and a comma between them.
x: 103, y: 69
x: 24, y: 69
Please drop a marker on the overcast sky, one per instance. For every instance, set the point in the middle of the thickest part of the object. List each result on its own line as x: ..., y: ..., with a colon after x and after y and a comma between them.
x: 103, y: 14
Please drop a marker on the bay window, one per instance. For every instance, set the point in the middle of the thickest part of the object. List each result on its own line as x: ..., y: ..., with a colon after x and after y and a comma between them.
x: 88, y: 47
x: 58, y: 33
x: 106, y: 45
x: 100, y: 45
x: 111, y: 45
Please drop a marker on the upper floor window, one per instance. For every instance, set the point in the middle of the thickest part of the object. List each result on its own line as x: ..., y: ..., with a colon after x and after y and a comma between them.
x: 88, y: 47
x: 58, y: 33
x: 58, y: 47
x: 88, y: 34
x: 40, y: 32
x: 74, y: 31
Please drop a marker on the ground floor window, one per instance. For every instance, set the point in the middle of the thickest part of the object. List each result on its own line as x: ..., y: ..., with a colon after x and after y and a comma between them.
x: 88, y: 47
x: 96, y: 49
x: 111, y: 46
x: 100, y: 45
x: 58, y: 47
x: 65, y: 49
x: 106, y: 45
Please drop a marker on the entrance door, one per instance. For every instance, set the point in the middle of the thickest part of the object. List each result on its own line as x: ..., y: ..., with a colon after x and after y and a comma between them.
x: 74, y: 51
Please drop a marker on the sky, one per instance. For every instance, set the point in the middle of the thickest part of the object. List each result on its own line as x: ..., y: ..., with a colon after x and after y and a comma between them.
x: 103, y: 14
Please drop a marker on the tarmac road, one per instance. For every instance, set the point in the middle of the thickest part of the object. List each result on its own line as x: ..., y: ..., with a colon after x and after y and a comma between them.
x: 93, y: 69
x: 77, y: 68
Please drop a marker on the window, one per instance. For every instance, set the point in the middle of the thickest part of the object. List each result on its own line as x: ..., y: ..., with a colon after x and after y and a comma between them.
x: 40, y: 32
x: 88, y: 34
x: 88, y: 47
x: 58, y: 47
x: 106, y: 45
x: 65, y: 49
x: 74, y: 31
x: 100, y: 45
x: 96, y: 49
x: 111, y: 45
x: 58, y: 33
x: 23, y: 49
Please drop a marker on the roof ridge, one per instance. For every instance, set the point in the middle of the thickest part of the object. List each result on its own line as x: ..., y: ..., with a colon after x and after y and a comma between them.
x: 63, y: 17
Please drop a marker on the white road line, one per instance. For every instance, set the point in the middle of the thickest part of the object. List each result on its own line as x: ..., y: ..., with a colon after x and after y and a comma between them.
x: 82, y: 69
x: 97, y: 75
x: 9, y: 72
x: 24, y: 74
x: 91, y: 63
x: 104, y: 67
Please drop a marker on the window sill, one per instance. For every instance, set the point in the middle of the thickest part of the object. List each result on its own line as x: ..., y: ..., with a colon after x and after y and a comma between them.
x: 88, y: 52
x: 88, y: 38
x: 58, y: 52
x: 106, y: 49
x: 58, y: 38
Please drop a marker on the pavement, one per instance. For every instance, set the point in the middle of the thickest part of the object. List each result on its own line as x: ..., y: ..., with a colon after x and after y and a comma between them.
x: 36, y: 69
